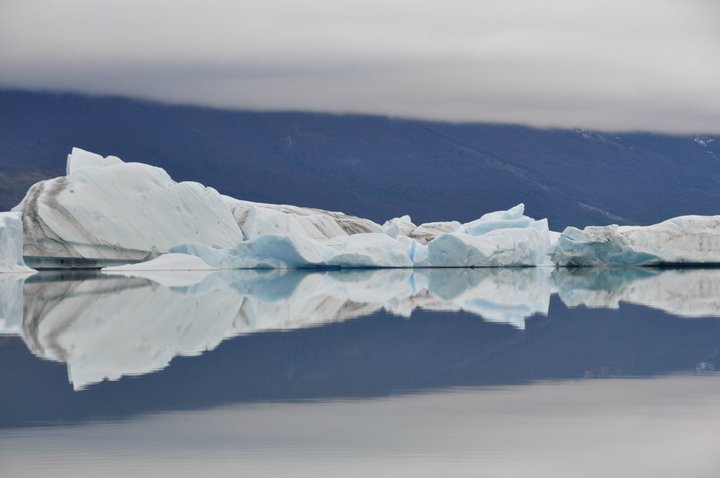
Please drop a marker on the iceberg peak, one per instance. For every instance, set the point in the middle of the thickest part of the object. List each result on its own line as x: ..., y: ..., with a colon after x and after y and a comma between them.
x: 79, y: 158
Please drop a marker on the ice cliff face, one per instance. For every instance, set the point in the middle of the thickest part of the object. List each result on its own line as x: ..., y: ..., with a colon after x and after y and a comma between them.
x: 108, y: 210
x: 11, y: 243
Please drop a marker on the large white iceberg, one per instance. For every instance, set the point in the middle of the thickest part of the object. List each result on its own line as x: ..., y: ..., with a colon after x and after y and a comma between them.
x: 106, y: 210
x: 681, y: 240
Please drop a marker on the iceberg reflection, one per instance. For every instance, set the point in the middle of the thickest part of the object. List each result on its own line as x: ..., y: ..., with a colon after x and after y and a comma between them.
x: 105, y: 326
x: 682, y: 292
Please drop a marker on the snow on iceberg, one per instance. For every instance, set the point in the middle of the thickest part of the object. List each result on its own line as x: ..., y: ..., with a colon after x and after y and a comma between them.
x: 11, y: 243
x: 258, y: 219
x: 681, y: 240
x: 106, y: 210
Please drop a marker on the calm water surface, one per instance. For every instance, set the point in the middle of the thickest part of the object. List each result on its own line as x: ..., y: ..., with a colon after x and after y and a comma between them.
x: 498, y: 373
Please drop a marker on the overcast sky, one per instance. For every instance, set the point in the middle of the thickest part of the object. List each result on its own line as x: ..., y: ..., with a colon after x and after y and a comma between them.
x: 604, y: 64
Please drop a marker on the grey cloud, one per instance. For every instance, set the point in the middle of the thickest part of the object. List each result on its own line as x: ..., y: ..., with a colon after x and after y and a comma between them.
x: 617, y: 65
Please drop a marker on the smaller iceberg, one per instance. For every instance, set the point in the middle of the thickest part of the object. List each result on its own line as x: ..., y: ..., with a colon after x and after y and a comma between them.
x: 497, y: 239
x: 681, y: 240
x: 11, y: 243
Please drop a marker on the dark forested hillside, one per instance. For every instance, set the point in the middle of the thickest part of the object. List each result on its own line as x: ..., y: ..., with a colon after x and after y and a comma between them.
x: 366, y: 165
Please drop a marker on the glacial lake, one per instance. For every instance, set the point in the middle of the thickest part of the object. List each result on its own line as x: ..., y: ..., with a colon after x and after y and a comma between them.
x: 532, y: 372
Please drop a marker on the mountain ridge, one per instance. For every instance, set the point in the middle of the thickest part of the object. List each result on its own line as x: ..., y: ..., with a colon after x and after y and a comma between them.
x: 369, y: 166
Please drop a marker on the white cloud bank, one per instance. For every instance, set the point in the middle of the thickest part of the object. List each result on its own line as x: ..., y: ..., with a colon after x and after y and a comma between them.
x: 604, y: 64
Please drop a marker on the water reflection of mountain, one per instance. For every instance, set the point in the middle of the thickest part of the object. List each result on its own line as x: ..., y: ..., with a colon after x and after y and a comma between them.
x: 105, y: 327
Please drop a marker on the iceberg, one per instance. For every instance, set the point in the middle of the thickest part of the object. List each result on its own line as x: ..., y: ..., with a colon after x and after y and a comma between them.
x: 106, y: 211
x: 11, y: 243
x: 681, y: 240
x: 498, y: 239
